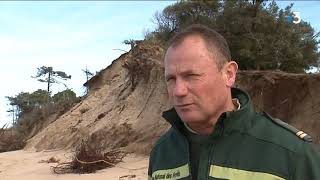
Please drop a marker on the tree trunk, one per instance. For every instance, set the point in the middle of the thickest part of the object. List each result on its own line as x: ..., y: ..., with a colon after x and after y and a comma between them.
x: 49, y: 80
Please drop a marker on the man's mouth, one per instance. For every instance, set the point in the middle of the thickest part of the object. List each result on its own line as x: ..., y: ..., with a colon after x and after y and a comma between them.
x: 183, y: 105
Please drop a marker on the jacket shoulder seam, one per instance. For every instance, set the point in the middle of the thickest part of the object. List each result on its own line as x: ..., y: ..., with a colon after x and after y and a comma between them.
x: 270, y: 142
x: 298, y: 133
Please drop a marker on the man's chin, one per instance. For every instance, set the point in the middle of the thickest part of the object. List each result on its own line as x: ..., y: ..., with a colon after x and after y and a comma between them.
x: 189, y: 117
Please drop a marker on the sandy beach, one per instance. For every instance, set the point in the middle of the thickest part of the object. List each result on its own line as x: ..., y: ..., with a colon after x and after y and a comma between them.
x: 27, y: 165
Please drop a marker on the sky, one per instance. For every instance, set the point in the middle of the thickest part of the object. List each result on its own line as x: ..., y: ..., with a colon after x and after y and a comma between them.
x: 74, y: 35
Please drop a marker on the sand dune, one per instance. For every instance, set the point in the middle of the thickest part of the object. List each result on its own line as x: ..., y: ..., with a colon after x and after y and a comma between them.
x: 26, y: 165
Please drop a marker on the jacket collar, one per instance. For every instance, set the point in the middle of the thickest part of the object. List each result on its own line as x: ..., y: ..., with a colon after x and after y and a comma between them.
x: 239, y: 120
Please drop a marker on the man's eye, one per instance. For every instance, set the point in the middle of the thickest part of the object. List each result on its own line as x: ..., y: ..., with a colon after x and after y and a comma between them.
x: 192, y: 75
x: 169, y: 79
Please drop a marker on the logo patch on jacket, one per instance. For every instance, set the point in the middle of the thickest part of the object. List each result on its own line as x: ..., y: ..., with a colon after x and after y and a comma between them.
x: 171, y: 174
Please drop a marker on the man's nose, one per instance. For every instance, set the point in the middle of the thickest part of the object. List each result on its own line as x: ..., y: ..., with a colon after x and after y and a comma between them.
x: 180, y: 88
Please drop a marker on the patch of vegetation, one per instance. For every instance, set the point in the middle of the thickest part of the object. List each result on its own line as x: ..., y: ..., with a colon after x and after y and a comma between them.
x: 139, y: 69
x: 259, y: 33
x: 11, y: 140
x: 30, y: 113
x: 88, y: 159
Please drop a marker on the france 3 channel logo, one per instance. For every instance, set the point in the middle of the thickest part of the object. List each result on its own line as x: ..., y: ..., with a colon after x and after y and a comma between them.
x: 294, y: 18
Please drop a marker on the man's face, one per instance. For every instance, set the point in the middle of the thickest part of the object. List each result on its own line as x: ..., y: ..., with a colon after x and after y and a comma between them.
x: 196, y: 88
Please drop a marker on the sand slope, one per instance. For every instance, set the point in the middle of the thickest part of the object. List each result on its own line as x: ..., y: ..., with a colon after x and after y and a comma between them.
x: 25, y: 165
x: 124, y: 106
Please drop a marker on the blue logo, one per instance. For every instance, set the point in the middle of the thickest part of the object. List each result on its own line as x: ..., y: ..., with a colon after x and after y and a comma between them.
x: 295, y: 18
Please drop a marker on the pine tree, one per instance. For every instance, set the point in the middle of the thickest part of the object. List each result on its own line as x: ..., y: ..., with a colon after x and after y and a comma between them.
x: 258, y: 33
x: 50, y: 76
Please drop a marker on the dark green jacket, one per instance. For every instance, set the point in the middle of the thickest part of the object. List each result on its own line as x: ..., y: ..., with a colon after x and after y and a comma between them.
x: 244, y: 145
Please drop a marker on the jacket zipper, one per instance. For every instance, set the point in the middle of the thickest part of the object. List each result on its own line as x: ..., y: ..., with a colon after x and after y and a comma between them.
x: 210, y: 160
x: 188, y: 153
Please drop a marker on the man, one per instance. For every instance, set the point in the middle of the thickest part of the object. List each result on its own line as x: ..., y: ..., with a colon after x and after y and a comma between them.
x: 215, y: 133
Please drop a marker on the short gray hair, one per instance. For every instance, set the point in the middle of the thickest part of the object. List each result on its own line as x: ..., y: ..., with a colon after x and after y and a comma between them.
x: 213, y: 40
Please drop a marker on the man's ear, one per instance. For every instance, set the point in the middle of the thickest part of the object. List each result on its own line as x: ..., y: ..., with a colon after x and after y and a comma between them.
x: 230, y: 72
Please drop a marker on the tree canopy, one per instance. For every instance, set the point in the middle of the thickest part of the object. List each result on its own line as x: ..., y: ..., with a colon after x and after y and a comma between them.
x: 25, y: 101
x: 64, y: 96
x: 259, y: 33
x: 52, y: 76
